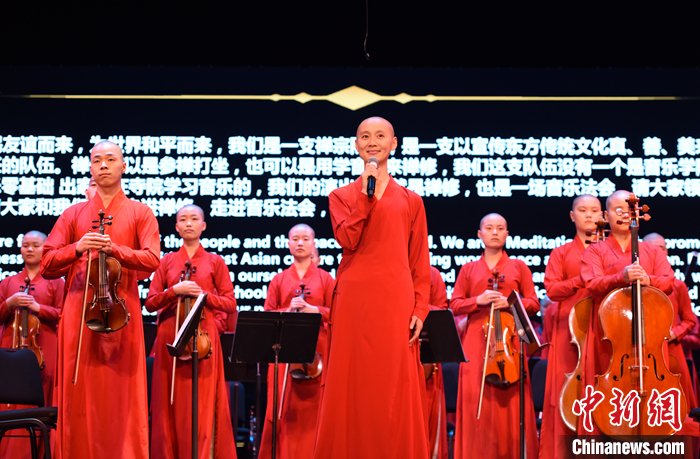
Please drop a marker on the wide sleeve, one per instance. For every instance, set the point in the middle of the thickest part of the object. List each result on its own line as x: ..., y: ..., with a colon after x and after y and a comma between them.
x: 661, y: 275
x: 274, y: 295
x: 460, y: 303
x: 349, y: 218
x: 419, y: 259
x: 691, y: 340
x: 438, y: 291
x: 593, y: 272
x: 527, y: 289
x: 59, y: 248
x: 222, y: 299
x: 147, y: 257
x: 159, y: 295
x: 4, y: 295
x: 51, y: 312
x: 328, y: 283
x: 557, y: 285
x: 687, y: 320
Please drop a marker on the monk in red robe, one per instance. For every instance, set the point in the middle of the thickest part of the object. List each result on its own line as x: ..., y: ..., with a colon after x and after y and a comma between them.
x: 372, y: 404
x: 302, y: 287
x: 171, y: 395
x: 103, y: 403
x: 496, y: 432
x: 565, y: 288
x: 435, y: 409
x: 606, y: 266
x: 43, y: 300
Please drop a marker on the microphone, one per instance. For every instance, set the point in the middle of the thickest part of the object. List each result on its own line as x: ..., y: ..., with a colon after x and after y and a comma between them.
x: 371, y: 180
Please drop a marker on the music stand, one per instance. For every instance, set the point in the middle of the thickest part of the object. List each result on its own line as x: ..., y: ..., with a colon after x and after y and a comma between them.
x: 527, y: 335
x: 439, y: 340
x: 275, y: 337
x: 187, y: 333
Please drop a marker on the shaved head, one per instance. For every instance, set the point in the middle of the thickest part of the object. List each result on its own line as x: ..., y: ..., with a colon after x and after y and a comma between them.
x: 191, y: 207
x: 376, y: 120
x: 492, y: 216
x: 301, y: 227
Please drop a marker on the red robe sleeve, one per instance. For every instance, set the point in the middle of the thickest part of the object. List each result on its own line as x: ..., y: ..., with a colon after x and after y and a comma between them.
x: 687, y: 320
x: 147, y: 257
x: 558, y: 287
x: 438, y: 291
x: 527, y: 289
x: 419, y: 258
x: 59, y: 251
x: 159, y: 296
x: 349, y: 222
x: 460, y: 303
x: 222, y: 298
x: 50, y: 313
x: 4, y: 295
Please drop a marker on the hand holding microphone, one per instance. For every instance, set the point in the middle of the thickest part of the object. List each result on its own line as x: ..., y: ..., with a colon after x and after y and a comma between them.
x: 371, y: 168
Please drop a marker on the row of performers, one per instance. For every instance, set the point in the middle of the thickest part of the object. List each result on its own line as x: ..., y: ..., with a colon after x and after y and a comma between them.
x: 372, y: 399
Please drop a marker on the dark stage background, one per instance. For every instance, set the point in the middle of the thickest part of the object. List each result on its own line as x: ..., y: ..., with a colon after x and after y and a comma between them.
x: 260, y: 149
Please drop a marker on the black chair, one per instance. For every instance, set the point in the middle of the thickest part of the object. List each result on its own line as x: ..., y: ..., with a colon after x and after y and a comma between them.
x: 538, y: 377
x: 21, y: 385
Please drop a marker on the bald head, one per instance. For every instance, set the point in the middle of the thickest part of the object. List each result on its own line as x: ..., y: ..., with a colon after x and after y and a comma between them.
x: 301, y: 227
x: 493, y: 218
x: 35, y: 234
x: 106, y: 146
x: 190, y: 208
x: 615, y: 199
x: 584, y: 198
x: 375, y: 122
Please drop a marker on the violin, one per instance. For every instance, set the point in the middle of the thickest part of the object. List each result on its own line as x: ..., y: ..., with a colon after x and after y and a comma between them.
x: 637, y: 322
x: 204, y: 348
x: 107, y: 312
x: 501, y: 363
x: 306, y: 371
x: 579, y: 320
x: 25, y: 328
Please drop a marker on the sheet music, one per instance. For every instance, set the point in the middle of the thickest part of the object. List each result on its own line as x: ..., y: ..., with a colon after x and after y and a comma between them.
x: 188, y: 319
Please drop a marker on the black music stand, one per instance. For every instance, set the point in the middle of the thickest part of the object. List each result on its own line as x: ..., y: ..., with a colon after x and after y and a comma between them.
x: 527, y: 335
x: 188, y: 333
x: 439, y: 340
x: 275, y: 337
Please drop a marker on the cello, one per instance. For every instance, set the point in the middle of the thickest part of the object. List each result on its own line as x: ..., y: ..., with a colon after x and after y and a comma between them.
x: 25, y: 328
x: 501, y: 367
x: 579, y: 320
x: 638, y: 384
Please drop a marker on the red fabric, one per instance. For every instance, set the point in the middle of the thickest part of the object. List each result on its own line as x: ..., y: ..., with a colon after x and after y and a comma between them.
x: 372, y: 403
x: 49, y: 295
x: 298, y: 401
x: 105, y: 413
x: 171, y: 424
x: 565, y: 288
x: 435, y: 410
x: 497, y: 433
x: 685, y: 321
x: 602, y: 270
x: 690, y: 342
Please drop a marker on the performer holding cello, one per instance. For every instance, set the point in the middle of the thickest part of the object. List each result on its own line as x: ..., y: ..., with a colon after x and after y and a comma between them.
x: 302, y: 287
x: 30, y: 307
x: 565, y: 287
x: 487, y: 423
x: 180, y: 278
x: 633, y: 392
x: 102, y: 407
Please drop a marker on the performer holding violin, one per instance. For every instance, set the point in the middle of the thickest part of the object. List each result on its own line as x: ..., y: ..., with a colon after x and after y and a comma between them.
x: 30, y: 307
x: 101, y: 373
x: 487, y: 423
x: 302, y: 287
x: 564, y: 285
x: 629, y: 281
x: 180, y: 278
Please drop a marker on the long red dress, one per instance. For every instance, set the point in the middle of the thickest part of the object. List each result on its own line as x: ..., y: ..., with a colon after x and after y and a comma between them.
x: 298, y: 401
x: 685, y: 321
x: 49, y: 295
x: 496, y: 434
x: 564, y: 285
x: 372, y: 404
x: 434, y: 386
x: 105, y: 414
x: 602, y: 268
x: 171, y: 425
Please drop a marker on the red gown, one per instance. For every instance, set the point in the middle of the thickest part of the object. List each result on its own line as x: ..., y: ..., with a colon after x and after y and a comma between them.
x: 171, y: 424
x: 685, y: 322
x: 49, y: 295
x: 298, y: 401
x: 602, y: 267
x: 105, y: 414
x: 497, y: 433
x: 435, y: 409
x: 372, y: 404
x: 564, y: 286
